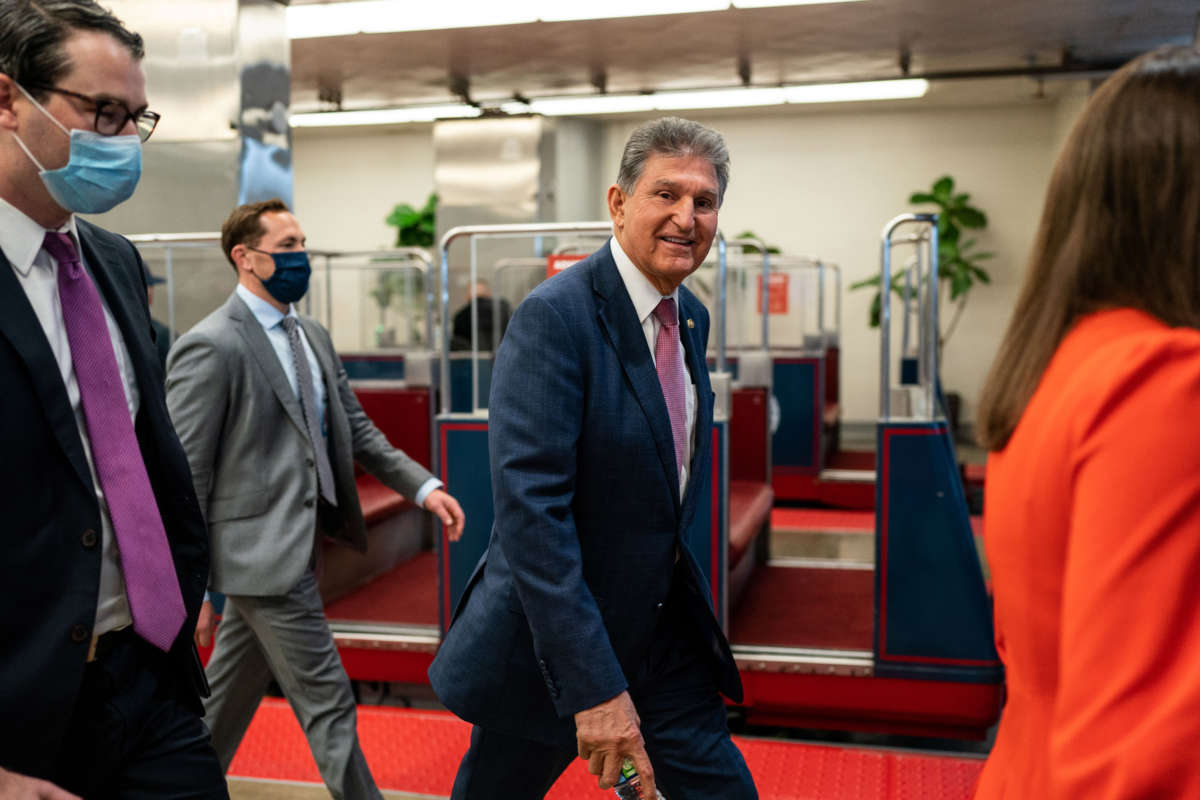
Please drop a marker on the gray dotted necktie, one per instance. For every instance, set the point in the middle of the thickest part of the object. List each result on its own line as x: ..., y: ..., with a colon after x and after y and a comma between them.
x: 308, y: 404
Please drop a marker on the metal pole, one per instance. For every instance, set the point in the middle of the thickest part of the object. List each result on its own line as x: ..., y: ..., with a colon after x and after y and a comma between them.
x: 474, y: 329
x: 931, y: 387
x: 885, y: 305
x: 444, y: 377
x: 821, y: 299
x: 766, y: 295
x: 170, y: 297
x: 722, y: 273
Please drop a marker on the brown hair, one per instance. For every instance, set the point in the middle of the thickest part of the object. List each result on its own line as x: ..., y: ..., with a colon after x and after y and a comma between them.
x: 244, y: 226
x: 1119, y: 227
x: 33, y: 32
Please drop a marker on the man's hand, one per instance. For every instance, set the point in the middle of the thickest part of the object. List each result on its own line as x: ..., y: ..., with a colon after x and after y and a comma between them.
x: 20, y: 787
x: 448, y: 511
x: 205, y: 624
x: 609, y: 733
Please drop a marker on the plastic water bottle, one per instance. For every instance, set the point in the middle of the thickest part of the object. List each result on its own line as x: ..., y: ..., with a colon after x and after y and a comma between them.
x: 629, y: 785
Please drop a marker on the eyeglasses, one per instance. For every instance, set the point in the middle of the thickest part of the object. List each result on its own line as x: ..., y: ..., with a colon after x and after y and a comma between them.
x: 112, y: 115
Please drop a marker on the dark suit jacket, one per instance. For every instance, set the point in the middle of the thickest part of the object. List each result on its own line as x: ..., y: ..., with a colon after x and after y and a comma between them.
x: 562, y: 608
x: 50, y: 572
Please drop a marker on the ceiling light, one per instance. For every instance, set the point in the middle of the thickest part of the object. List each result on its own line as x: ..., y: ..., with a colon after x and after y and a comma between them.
x: 631, y: 103
x: 395, y: 16
x: 775, y: 3
x: 558, y: 11
x: 863, y: 90
x: 388, y: 16
x: 718, y: 98
x: 383, y: 116
x: 592, y: 104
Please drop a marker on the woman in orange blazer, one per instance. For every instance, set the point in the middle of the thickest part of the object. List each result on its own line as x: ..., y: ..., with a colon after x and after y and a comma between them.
x: 1092, y: 414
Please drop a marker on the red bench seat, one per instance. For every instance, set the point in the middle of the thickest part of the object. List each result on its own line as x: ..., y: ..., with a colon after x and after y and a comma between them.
x: 749, y: 510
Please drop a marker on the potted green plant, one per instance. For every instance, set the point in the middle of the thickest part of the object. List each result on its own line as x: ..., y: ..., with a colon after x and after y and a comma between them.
x: 415, y: 227
x: 959, y: 260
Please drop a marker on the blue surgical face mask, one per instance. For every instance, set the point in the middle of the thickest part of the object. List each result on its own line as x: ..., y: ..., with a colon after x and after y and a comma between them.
x: 101, y: 173
x: 289, y: 282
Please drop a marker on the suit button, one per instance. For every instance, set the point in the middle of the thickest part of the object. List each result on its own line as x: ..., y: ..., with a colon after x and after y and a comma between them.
x: 80, y: 633
x: 89, y: 538
x: 308, y: 503
x: 658, y: 606
x: 308, y: 462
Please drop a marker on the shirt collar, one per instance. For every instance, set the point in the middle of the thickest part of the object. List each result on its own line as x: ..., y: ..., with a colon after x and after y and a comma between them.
x: 643, y: 294
x: 21, y: 238
x: 267, y: 315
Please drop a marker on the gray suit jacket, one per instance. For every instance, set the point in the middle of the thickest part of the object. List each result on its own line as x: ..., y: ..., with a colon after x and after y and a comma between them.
x: 252, y: 462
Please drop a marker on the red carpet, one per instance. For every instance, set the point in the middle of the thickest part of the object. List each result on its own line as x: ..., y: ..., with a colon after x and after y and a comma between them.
x: 824, y: 608
x: 832, y: 519
x: 822, y: 519
x: 407, y: 593
x: 419, y: 751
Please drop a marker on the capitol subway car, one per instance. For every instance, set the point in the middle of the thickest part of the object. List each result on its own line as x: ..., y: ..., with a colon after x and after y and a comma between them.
x: 889, y: 160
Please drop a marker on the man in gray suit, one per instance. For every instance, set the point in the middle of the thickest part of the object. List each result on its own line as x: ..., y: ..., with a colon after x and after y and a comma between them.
x: 250, y: 389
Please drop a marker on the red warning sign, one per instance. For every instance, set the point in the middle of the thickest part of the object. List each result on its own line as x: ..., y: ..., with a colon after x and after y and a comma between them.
x: 559, y: 261
x: 777, y: 293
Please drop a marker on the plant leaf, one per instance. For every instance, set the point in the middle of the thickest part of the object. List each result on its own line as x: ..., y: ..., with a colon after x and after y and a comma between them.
x: 921, y: 197
x: 970, y: 217
x: 942, y: 189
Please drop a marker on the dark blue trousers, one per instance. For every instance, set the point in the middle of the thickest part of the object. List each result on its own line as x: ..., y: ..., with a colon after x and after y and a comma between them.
x: 683, y: 723
x: 131, y: 736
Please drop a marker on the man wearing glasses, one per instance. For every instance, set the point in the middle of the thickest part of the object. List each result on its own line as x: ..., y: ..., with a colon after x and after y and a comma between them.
x: 105, y: 554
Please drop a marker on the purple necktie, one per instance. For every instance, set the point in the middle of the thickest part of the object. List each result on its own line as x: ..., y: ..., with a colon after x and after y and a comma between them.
x: 670, y: 374
x: 151, y: 584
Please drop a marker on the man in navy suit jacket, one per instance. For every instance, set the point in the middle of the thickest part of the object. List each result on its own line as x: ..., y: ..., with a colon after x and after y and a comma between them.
x: 587, y: 628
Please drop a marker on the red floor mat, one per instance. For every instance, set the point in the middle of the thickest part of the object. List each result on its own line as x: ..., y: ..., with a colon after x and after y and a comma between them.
x: 407, y: 593
x: 822, y: 519
x: 832, y: 519
x: 419, y: 751
x: 806, y: 607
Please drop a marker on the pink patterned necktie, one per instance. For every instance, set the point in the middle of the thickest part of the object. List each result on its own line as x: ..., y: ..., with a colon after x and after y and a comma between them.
x: 151, y: 584
x: 670, y: 374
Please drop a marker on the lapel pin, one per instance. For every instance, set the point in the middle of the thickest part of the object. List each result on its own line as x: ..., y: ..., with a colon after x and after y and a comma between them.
x: 691, y: 324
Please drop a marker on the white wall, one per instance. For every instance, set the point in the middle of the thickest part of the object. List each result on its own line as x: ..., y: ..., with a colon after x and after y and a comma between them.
x: 819, y: 182
x: 346, y: 183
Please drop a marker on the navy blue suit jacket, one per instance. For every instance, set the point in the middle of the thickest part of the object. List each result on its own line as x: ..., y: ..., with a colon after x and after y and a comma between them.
x: 50, y: 573
x: 561, y: 610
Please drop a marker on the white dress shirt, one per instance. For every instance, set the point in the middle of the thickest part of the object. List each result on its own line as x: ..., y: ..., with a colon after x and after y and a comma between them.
x: 271, y: 320
x: 645, y: 299
x: 37, y: 272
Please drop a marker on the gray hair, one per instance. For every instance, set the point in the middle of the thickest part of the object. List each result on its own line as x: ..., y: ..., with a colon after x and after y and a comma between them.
x: 32, y: 33
x: 674, y: 137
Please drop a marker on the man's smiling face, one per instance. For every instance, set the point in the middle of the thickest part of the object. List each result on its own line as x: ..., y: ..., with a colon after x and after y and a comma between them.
x: 667, y: 223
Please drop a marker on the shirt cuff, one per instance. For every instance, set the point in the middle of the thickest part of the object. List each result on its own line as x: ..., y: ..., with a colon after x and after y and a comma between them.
x: 426, y: 488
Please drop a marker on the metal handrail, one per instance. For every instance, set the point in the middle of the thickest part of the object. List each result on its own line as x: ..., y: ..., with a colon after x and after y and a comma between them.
x: 418, y: 254
x: 174, y: 240
x: 885, y: 311
x: 497, y: 231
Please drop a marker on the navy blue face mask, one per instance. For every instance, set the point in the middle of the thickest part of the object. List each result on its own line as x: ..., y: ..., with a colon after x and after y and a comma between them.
x: 290, y: 281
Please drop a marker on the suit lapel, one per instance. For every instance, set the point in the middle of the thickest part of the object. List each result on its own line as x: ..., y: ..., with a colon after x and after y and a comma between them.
x: 260, y: 347
x: 620, y: 322
x: 693, y: 346
x: 20, y: 325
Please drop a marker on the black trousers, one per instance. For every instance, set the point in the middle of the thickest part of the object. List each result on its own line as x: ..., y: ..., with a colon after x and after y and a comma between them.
x: 684, y: 726
x: 131, y: 735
